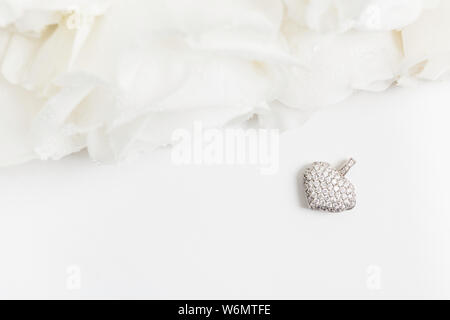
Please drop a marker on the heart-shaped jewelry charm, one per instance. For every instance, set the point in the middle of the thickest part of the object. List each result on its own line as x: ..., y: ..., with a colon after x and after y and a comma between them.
x: 327, y: 189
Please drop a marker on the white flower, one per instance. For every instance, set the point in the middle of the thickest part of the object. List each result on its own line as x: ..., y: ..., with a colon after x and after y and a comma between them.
x: 118, y: 76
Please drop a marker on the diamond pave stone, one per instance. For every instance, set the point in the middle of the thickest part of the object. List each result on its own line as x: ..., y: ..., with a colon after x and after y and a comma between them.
x: 335, y: 194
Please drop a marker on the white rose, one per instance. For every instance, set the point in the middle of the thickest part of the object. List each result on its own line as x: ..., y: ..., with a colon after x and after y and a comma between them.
x: 119, y: 76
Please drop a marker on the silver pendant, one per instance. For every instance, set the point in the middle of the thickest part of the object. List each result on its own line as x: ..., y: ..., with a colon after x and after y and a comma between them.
x: 327, y: 189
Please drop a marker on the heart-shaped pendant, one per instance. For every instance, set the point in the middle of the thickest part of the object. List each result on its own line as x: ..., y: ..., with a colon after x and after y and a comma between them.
x: 327, y: 189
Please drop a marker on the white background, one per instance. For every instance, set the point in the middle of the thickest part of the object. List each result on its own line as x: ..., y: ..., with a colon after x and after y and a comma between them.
x: 150, y: 229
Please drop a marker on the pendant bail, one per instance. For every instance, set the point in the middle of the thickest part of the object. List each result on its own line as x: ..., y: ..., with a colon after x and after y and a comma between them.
x: 350, y: 163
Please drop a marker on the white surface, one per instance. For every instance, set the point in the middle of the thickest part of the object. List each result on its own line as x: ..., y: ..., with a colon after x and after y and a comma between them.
x: 154, y: 230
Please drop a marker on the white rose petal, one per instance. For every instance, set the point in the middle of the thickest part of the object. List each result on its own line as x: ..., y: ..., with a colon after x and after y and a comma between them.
x: 427, y: 46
